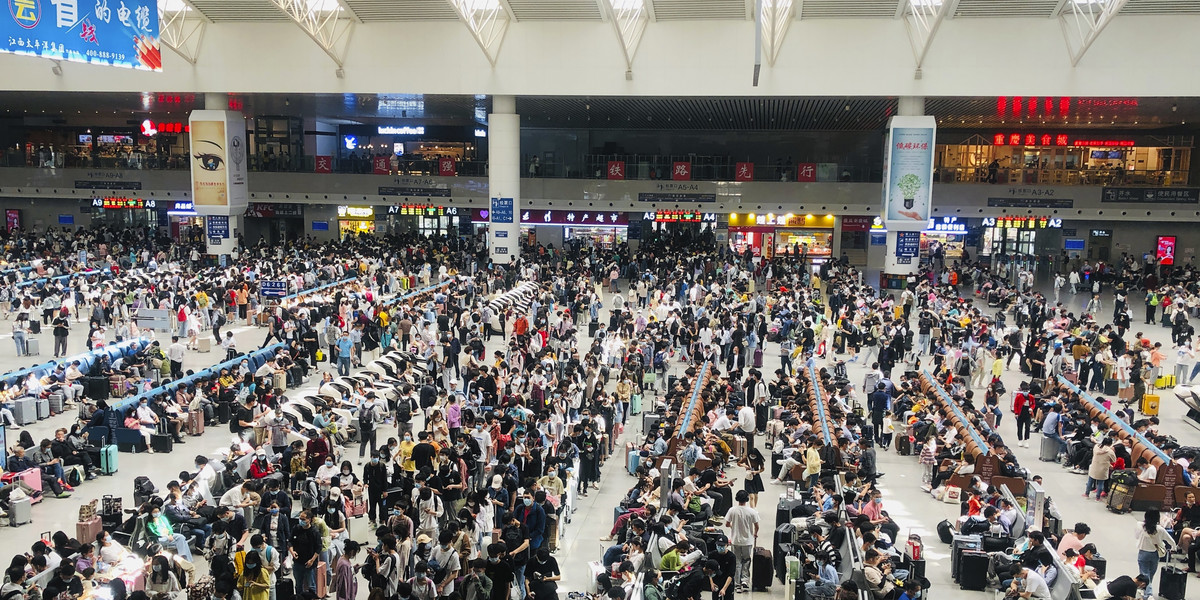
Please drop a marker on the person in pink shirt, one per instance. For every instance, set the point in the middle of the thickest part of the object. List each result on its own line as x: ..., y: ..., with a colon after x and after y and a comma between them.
x: 454, y: 417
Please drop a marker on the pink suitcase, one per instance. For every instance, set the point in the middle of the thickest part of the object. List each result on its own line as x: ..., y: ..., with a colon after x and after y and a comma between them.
x: 31, y: 478
x: 356, y: 507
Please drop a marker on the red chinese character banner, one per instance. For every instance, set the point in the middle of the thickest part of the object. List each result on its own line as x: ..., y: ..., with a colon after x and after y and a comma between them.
x: 323, y: 164
x: 681, y: 171
x: 744, y: 172
x: 806, y: 172
x: 616, y: 169
x: 382, y: 165
x: 446, y: 167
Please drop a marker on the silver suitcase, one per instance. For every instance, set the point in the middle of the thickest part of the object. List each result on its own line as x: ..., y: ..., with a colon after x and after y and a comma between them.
x: 56, y: 403
x: 25, y: 411
x: 43, y: 408
x: 20, y: 512
x: 1049, y: 449
x: 33, y: 346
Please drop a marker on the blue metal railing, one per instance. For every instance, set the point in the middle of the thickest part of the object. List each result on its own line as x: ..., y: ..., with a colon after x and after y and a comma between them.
x: 958, y: 411
x: 687, y: 422
x: 1117, y: 419
x: 812, y: 374
x: 316, y: 289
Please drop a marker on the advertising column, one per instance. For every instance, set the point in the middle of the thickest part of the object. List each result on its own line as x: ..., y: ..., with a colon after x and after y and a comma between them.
x: 219, y: 181
x: 504, y: 180
x: 907, y: 194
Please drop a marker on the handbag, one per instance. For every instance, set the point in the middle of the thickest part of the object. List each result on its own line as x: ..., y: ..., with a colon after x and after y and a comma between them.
x: 953, y: 495
x: 88, y: 511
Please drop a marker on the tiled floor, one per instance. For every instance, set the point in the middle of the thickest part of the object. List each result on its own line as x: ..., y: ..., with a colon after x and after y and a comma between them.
x: 911, y: 508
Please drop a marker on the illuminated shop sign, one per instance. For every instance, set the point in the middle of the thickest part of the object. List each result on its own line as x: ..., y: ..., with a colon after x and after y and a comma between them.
x: 480, y: 133
x: 427, y: 210
x: 562, y: 217
x: 952, y: 225
x: 1023, y: 222
x: 405, y: 130
x: 115, y: 202
x: 1055, y: 139
x: 356, y: 212
x: 788, y: 220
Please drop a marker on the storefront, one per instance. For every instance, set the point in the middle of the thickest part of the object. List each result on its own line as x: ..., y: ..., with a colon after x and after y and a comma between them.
x: 948, y: 237
x: 274, y: 222
x: 855, y: 237
x: 588, y: 229
x: 423, y: 219
x: 768, y: 235
x: 355, y: 220
x: 1061, y: 158
x: 413, y: 148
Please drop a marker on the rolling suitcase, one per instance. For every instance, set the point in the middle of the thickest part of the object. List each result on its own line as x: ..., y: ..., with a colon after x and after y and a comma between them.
x: 1149, y: 405
x: 1110, y: 387
x: 285, y: 589
x: 96, y: 388
x: 204, y: 344
x: 1049, y: 449
x: 24, y: 411
x: 86, y: 531
x: 1165, y: 381
x: 56, y: 403
x: 20, y: 512
x: 758, y: 358
x: 903, y: 445
x: 1172, y: 583
x: 973, y: 569
x: 762, y: 570
x: 635, y: 457
x: 33, y: 347
x: 1120, y: 498
x: 224, y: 412
x: 320, y: 577
x: 162, y: 442
x: 961, y: 544
x: 592, y: 327
x: 635, y: 404
x: 788, y: 510
x: 43, y: 408
x: 195, y: 422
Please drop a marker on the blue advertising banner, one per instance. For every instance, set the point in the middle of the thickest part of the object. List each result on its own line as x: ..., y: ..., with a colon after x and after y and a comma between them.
x: 218, y: 226
x: 66, y: 219
x: 908, y: 179
x: 908, y: 243
x: 119, y: 33
x: 320, y: 225
x: 502, y: 210
x: 274, y: 289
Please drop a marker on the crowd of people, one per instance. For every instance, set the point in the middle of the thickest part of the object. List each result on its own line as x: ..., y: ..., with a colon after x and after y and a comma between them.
x: 483, y: 408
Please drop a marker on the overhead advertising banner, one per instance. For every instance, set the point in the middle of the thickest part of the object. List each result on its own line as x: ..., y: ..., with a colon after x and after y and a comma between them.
x: 1165, y: 249
x: 119, y: 33
x: 218, y: 160
x: 908, y: 172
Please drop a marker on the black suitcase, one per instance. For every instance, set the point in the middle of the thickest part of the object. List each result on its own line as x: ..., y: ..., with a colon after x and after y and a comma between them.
x: 35, y: 326
x: 162, y: 442
x: 97, y: 388
x: 285, y: 589
x: 788, y: 510
x: 224, y: 413
x: 903, y: 445
x: 916, y: 568
x: 1172, y: 583
x: 973, y: 569
x: 1110, y: 387
x: 762, y: 570
x: 996, y: 543
x: 297, y: 377
x: 592, y: 327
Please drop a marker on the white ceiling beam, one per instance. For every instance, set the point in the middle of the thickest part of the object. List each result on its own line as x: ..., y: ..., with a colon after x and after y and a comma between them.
x: 629, y: 20
x: 1058, y: 8
x: 330, y: 25
x: 901, y: 6
x: 512, y: 16
x: 921, y: 21
x: 487, y: 20
x: 799, y: 9
x: 181, y: 28
x: 1082, y: 22
x: 650, y: 14
x: 776, y: 17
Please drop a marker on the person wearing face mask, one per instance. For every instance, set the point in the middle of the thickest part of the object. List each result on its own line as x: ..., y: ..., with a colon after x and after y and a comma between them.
x: 159, y: 528
x: 430, y: 509
x: 723, y: 579
x: 499, y: 569
x: 444, y: 564
x: 235, y: 524
x: 270, y: 560
x: 345, y: 479
x: 477, y: 585
x: 254, y: 582
x: 278, y: 427
x: 160, y: 578
x: 261, y: 468
x: 274, y: 528
x: 533, y: 518
x: 377, y: 480
x: 824, y: 579
x: 423, y: 587
x: 543, y: 575
x: 275, y: 494
x: 305, y: 551
x: 334, y: 515
x: 326, y: 472
x: 345, y: 584
x: 401, y: 454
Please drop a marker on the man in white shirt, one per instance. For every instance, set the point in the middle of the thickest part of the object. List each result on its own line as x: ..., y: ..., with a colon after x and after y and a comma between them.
x: 743, y: 524
x: 175, y: 353
x: 73, y: 389
x: 1034, y: 587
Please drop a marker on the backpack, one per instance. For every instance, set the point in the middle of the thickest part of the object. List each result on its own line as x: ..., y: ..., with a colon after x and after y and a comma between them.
x: 366, y: 418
